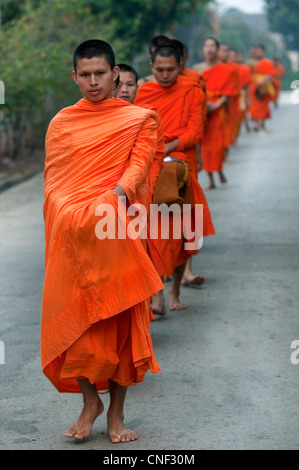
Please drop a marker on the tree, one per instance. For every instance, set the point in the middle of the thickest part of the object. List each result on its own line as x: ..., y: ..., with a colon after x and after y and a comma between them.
x: 38, y: 38
x: 283, y: 17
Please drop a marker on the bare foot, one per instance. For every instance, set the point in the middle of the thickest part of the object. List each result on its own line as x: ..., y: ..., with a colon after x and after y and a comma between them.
x: 193, y: 279
x: 174, y: 303
x: 118, y: 432
x: 210, y: 186
x: 158, y: 304
x: 222, y: 177
x: 82, y: 428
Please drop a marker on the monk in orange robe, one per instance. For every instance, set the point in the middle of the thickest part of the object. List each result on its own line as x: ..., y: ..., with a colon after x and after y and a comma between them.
x: 233, y: 105
x: 157, y: 41
x: 189, y: 278
x: 262, y: 89
x: 220, y: 87
x: 178, y: 102
x: 127, y: 90
x: 98, y: 276
x: 279, y: 73
x: 243, y: 101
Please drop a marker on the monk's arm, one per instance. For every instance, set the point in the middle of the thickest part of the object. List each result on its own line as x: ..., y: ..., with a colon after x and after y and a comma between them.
x: 213, y: 106
x: 158, y: 162
x: 141, y: 158
x: 193, y: 132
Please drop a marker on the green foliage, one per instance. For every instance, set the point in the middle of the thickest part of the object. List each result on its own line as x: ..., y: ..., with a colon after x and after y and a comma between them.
x: 283, y: 17
x: 38, y: 38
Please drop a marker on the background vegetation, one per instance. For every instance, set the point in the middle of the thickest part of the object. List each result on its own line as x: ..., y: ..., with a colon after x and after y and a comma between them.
x: 38, y: 37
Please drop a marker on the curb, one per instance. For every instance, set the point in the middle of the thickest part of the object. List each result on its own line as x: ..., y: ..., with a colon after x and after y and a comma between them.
x: 10, y: 182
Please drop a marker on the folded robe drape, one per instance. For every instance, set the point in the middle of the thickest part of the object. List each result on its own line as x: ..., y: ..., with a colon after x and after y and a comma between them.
x: 91, y: 148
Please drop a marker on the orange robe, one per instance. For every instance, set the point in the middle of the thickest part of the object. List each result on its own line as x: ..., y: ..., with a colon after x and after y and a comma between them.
x: 219, y: 83
x: 245, y: 77
x: 96, y: 297
x: 233, y: 107
x: 153, y: 176
x: 180, y: 108
x: 260, y: 107
x: 198, y: 77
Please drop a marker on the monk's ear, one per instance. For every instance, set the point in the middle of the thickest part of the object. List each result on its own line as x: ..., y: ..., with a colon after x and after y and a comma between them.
x: 115, y: 72
x: 150, y: 59
x: 74, y: 75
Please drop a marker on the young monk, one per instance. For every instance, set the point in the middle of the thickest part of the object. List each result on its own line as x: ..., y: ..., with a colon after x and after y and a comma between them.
x: 261, y: 89
x: 220, y: 86
x: 157, y: 41
x: 127, y: 90
x: 242, y: 100
x: 97, y: 288
x: 245, y: 76
x: 233, y: 105
x: 179, y: 105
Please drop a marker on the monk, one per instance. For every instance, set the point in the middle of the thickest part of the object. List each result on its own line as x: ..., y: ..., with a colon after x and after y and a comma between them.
x: 279, y: 73
x: 98, y: 276
x: 244, y: 72
x: 127, y: 90
x: 157, y: 41
x: 226, y: 56
x: 189, y: 278
x: 261, y: 90
x: 220, y: 86
x: 179, y: 105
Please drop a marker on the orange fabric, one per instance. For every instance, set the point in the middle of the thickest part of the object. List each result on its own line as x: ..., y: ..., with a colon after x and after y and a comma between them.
x: 245, y: 77
x: 233, y: 107
x: 260, y: 109
x: 198, y: 77
x: 219, y: 83
x: 181, y: 110
x: 153, y: 176
x: 90, y: 148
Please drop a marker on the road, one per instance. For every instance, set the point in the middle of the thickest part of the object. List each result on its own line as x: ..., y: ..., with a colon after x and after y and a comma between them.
x: 226, y: 380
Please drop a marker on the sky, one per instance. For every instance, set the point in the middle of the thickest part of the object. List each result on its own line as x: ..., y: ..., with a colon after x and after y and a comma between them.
x: 248, y: 6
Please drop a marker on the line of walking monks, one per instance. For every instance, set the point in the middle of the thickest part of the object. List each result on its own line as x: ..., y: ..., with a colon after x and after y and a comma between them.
x: 135, y: 139
x: 202, y: 111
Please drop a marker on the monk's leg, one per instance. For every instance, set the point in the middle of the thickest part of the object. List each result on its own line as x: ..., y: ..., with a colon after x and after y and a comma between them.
x: 188, y: 276
x: 222, y: 177
x: 211, y: 184
x: 174, y: 293
x: 92, y: 408
x: 158, y: 304
x: 115, y: 415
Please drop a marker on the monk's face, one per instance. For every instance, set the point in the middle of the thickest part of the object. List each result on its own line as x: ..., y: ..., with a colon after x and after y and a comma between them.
x: 210, y: 49
x: 127, y: 87
x: 95, y: 78
x: 232, y: 56
x: 259, y: 53
x: 166, y: 70
x: 223, y: 53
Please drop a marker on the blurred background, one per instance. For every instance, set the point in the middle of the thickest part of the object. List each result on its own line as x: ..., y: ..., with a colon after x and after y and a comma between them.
x: 38, y: 38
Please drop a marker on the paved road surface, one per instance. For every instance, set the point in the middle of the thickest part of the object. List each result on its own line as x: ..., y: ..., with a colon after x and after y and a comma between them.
x: 227, y: 381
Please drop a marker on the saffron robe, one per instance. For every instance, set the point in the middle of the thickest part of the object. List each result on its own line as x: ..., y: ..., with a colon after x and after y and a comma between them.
x: 96, y: 297
x: 219, y: 83
x: 245, y: 77
x: 260, y: 107
x: 233, y: 106
x: 181, y: 110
